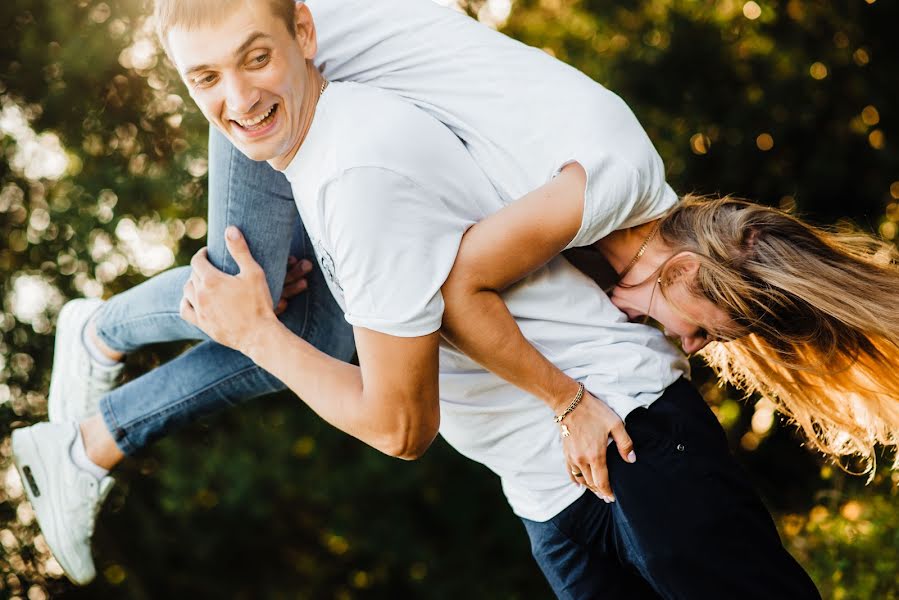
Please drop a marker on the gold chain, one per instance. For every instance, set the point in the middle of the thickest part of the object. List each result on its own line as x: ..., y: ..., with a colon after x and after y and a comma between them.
x: 641, y: 251
x: 573, y: 405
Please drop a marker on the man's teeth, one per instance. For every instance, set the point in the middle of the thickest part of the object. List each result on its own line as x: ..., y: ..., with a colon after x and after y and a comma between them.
x: 256, y: 120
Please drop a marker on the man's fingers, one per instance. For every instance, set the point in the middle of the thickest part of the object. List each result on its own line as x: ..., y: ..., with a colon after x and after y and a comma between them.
x: 187, y: 312
x: 190, y: 292
x: 240, y: 252
x: 624, y: 443
x: 200, y: 266
x: 281, y: 307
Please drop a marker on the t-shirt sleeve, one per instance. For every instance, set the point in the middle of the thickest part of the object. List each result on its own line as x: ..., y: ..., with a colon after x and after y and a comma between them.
x: 393, y: 248
x: 619, y: 195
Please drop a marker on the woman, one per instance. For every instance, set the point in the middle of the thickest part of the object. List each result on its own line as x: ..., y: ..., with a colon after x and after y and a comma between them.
x: 769, y: 288
x: 760, y: 293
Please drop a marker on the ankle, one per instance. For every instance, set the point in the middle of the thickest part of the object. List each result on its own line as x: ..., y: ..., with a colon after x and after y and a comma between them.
x: 99, y: 444
x: 79, y: 456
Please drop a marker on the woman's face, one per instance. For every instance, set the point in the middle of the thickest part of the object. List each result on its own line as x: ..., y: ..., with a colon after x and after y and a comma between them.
x: 682, y: 315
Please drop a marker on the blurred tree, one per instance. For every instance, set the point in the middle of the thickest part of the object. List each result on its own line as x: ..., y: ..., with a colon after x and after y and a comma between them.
x: 102, y: 184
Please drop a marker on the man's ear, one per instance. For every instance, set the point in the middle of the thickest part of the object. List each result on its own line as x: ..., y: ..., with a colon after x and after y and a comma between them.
x: 305, y: 26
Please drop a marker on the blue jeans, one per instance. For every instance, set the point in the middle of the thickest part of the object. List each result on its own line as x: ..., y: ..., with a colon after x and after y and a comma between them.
x: 258, y: 200
x: 685, y: 525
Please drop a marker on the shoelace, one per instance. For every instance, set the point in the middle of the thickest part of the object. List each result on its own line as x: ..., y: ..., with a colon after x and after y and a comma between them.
x: 92, y: 492
x: 98, y: 379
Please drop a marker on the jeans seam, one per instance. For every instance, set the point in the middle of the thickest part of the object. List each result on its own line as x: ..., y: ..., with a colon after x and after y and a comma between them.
x: 306, y: 309
x: 225, y: 254
x: 175, y: 407
x: 112, y: 424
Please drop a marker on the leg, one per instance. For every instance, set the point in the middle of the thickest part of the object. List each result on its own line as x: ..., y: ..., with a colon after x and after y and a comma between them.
x: 66, y: 497
x: 248, y: 194
x: 210, y: 376
x: 575, y: 551
x: 685, y: 517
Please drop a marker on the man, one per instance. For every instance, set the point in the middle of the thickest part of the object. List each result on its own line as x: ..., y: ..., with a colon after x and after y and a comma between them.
x: 386, y: 219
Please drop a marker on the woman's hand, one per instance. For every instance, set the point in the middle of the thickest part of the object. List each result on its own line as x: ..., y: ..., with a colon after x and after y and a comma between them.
x: 589, y: 427
x: 294, y: 281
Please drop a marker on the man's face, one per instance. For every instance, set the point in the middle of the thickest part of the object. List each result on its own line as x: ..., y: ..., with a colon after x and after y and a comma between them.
x: 248, y: 75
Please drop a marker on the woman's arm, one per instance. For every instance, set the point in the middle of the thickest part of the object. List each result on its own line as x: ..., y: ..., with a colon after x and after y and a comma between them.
x: 494, y: 254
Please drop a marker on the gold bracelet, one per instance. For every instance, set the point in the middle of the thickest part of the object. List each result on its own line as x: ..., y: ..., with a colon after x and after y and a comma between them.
x: 573, y: 405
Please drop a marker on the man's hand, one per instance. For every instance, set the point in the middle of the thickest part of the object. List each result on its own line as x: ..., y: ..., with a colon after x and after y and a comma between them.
x: 231, y: 309
x: 294, y: 281
x: 589, y: 426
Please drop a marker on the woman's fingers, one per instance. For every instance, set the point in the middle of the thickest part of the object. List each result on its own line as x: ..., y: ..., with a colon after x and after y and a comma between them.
x: 574, y: 473
x: 292, y: 289
x: 624, y: 443
x: 294, y: 280
x: 600, y: 476
x: 586, y: 477
x: 296, y: 270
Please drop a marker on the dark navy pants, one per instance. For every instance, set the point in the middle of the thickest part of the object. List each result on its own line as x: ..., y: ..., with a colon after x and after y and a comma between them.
x: 685, y: 524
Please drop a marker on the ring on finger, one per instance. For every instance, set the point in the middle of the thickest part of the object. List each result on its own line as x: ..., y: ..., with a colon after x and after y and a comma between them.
x: 576, y: 473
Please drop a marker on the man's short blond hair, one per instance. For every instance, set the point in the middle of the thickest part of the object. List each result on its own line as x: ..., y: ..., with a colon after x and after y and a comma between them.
x: 190, y: 14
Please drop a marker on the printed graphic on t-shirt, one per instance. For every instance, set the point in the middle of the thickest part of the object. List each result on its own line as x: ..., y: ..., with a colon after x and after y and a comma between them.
x: 326, y: 263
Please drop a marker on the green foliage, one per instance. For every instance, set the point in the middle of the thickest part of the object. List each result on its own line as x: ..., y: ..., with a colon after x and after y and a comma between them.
x: 794, y: 107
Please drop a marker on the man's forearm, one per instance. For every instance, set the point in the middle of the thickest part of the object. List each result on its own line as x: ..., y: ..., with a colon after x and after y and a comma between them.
x: 334, y: 390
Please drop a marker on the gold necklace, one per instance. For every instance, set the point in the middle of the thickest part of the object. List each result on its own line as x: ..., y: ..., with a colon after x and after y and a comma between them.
x: 641, y: 251
x: 324, y: 85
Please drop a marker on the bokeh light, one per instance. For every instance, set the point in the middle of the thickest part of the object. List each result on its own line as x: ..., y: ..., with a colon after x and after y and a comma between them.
x: 818, y: 70
x: 751, y: 10
x: 764, y: 141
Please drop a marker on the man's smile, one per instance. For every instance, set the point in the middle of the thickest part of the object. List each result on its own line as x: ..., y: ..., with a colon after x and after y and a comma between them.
x: 258, y: 122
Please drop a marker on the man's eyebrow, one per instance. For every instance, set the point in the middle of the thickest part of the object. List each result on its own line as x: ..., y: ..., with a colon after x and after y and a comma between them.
x: 240, y: 50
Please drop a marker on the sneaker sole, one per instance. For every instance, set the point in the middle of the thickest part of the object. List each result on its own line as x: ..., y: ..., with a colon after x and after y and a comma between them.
x: 56, y: 410
x: 25, y: 453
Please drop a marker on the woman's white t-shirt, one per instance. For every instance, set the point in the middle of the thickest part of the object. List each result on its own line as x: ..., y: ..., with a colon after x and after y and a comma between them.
x: 521, y: 113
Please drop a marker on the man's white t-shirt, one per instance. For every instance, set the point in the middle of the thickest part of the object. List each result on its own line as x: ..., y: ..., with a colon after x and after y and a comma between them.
x: 521, y: 113
x: 386, y: 192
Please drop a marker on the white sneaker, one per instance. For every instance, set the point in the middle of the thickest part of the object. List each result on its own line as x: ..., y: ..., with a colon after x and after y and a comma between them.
x: 65, y: 499
x: 77, y: 382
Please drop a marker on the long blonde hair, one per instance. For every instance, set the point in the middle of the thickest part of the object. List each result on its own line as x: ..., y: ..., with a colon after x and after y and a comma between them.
x: 814, y: 318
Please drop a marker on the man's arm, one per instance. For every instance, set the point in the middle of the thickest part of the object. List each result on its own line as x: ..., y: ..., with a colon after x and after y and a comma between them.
x: 390, y: 402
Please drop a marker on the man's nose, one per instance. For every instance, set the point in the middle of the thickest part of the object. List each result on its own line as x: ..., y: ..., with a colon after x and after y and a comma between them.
x: 241, y: 96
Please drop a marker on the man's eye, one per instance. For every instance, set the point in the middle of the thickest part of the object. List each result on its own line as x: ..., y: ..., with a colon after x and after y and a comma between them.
x: 260, y: 60
x: 205, y: 80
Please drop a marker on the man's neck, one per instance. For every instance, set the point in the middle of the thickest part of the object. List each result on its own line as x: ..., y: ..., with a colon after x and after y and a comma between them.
x: 311, y: 96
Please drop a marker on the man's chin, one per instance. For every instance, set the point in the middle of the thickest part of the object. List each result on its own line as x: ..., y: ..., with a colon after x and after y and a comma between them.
x: 253, y: 151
